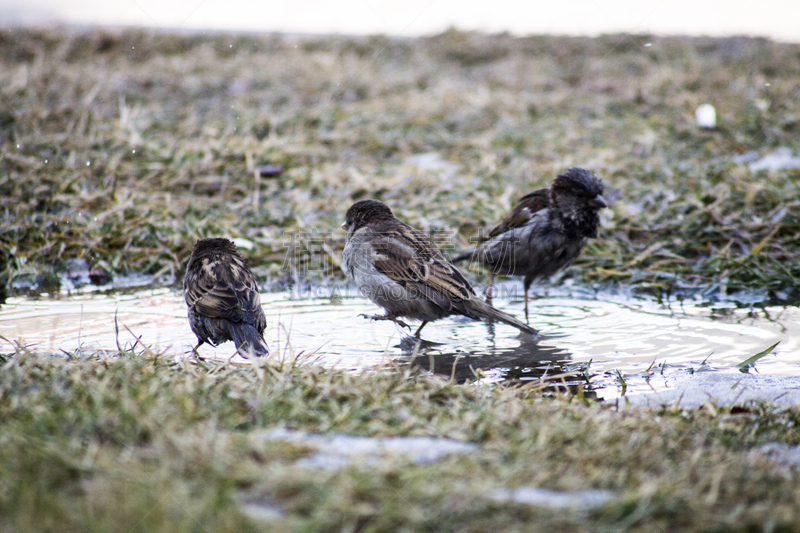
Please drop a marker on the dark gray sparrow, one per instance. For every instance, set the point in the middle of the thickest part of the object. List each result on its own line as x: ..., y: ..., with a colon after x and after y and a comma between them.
x: 545, y: 232
x: 223, y: 299
x: 402, y: 271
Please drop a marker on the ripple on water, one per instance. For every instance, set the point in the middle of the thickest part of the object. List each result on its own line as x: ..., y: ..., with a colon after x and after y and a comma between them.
x: 614, y: 333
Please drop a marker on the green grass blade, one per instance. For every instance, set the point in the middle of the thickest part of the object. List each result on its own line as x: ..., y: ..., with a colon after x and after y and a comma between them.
x: 750, y: 362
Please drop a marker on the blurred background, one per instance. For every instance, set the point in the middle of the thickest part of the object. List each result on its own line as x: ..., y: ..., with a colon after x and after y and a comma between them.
x: 777, y: 19
x: 128, y: 129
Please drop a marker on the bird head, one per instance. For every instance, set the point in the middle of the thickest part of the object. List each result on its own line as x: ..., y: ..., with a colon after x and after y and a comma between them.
x: 577, y: 196
x: 364, y: 212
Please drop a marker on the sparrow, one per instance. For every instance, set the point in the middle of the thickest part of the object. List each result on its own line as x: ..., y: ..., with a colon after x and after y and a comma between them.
x: 545, y: 232
x: 401, y: 270
x: 223, y: 298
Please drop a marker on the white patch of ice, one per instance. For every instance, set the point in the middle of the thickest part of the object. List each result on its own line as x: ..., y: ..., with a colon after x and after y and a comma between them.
x: 339, y: 451
x: 781, y: 453
x: 261, y: 512
x: 706, y: 116
x: 723, y: 388
x: 584, y: 499
x: 433, y: 162
x: 781, y: 159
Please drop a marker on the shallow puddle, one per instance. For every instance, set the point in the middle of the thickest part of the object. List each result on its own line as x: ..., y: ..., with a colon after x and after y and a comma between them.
x: 614, y: 333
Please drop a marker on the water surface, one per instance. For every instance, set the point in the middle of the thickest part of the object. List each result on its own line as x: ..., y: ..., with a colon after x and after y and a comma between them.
x: 619, y: 338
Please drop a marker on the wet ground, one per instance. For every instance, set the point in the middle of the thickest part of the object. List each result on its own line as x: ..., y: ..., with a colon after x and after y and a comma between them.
x: 604, y: 340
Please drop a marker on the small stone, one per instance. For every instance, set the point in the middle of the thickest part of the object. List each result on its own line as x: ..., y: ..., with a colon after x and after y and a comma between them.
x: 99, y: 276
x: 270, y: 171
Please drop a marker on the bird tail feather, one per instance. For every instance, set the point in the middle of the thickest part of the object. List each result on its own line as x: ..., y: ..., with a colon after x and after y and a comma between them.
x: 249, y: 341
x: 484, y: 310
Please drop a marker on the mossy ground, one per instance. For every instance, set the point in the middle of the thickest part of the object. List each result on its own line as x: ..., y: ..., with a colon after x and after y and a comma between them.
x: 122, y: 148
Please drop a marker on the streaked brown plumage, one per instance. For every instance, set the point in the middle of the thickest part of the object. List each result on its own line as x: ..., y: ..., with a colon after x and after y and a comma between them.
x: 401, y: 270
x: 545, y: 232
x: 223, y: 298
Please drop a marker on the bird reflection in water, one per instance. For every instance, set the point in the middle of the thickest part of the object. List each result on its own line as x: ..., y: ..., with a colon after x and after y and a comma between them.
x: 520, y: 360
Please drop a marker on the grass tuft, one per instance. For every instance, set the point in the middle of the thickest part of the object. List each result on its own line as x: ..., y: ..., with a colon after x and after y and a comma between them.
x: 147, y: 443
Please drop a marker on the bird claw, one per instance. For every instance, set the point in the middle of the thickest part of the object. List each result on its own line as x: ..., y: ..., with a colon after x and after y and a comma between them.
x: 386, y: 317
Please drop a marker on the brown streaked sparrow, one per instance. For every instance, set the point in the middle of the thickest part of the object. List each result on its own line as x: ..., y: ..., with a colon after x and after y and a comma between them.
x: 223, y: 298
x: 401, y: 270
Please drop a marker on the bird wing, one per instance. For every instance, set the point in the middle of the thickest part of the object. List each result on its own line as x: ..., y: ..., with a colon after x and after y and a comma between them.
x: 523, y: 212
x: 409, y: 257
x: 223, y: 288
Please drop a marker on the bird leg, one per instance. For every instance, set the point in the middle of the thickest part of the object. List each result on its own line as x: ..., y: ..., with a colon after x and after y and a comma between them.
x: 526, y: 305
x: 526, y: 285
x: 420, y: 328
x: 387, y: 316
x: 194, y: 350
x: 489, y: 288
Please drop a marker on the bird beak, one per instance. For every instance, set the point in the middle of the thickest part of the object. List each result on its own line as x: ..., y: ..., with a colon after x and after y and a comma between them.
x: 344, y: 225
x: 598, y: 202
